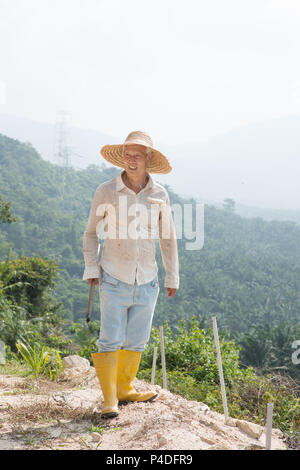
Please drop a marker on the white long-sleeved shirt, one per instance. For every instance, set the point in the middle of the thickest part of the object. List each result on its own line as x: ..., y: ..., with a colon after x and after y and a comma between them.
x: 131, y: 224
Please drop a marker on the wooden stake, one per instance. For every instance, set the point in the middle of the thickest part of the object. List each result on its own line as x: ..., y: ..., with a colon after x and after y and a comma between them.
x: 269, y: 426
x: 219, y: 359
x: 163, y: 360
x: 154, y: 365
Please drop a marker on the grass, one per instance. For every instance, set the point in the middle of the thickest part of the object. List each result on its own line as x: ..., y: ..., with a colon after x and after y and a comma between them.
x: 15, y: 391
x: 46, y: 412
x: 41, y: 384
x: 14, y: 367
x: 101, y: 429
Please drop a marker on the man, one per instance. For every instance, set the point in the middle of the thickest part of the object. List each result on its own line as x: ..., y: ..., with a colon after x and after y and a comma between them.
x: 132, y: 208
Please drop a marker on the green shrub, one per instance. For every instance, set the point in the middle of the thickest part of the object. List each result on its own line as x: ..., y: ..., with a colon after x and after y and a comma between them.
x: 192, y: 350
x: 84, y: 338
x: 192, y: 372
x: 28, y: 312
x: 40, y: 360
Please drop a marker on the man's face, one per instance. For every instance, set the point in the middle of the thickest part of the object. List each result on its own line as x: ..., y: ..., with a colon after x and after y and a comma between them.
x: 135, y: 160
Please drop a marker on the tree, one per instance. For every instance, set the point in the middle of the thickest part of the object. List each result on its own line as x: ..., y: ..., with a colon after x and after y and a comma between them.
x: 6, y: 216
x: 28, y: 309
x: 229, y: 204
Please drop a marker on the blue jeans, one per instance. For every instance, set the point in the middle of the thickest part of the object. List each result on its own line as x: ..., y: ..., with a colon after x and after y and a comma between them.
x: 126, y: 313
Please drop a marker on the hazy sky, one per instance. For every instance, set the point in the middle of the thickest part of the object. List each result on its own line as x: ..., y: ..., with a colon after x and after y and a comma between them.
x: 183, y: 70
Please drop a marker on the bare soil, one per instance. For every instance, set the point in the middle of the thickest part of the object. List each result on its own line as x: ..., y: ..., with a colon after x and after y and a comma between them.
x: 65, y: 414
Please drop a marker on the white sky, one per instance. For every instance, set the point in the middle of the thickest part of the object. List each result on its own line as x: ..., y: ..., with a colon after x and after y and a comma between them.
x: 183, y: 70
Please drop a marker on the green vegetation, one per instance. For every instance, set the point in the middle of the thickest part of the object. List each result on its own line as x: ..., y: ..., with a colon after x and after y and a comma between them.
x: 28, y: 311
x: 5, y: 212
x: 192, y: 372
x: 247, y: 275
x: 40, y: 360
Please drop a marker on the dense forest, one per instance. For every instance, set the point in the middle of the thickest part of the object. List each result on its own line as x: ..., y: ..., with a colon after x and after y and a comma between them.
x: 247, y: 274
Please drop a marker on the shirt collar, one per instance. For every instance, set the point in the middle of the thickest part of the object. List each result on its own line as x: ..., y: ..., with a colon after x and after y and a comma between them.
x: 120, y: 184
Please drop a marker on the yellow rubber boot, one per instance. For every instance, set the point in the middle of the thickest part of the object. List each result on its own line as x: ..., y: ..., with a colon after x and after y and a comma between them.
x: 106, y: 365
x: 128, y: 366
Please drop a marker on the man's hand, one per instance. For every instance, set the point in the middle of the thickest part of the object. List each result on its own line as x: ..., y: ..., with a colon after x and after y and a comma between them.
x: 171, y: 292
x: 94, y: 279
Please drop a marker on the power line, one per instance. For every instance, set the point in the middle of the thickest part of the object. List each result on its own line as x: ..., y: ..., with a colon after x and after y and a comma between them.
x: 61, y: 149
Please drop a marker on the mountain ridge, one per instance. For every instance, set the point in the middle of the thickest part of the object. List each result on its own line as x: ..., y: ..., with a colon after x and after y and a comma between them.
x: 255, y: 165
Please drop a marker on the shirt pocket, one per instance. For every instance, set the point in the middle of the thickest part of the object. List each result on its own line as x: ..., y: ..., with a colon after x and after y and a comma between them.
x: 149, y: 220
x: 115, y: 219
x: 154, y: 283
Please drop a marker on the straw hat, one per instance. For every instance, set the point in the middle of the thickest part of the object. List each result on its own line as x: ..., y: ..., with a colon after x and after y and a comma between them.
x: 114, y: 153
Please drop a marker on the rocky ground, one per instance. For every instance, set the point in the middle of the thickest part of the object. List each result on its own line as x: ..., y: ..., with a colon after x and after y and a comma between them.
x: 64, y: 414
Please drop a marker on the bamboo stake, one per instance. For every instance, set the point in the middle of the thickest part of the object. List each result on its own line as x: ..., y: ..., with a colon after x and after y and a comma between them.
x: 219, y: 359
x: 163, y: 360
x: 269, y: 426
x: 154, y: 365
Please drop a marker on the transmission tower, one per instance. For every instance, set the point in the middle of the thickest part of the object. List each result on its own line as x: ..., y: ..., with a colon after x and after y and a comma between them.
x: 61, y: 150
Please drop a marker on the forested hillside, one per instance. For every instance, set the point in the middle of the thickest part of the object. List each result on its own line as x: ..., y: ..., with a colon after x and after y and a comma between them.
x: 247, y: 273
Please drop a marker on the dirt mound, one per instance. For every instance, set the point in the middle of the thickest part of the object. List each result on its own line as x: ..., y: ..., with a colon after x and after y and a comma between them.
x: 39, y: 414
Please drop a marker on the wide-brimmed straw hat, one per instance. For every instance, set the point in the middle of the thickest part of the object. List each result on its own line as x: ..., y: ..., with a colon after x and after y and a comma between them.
x: 115, y: 153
